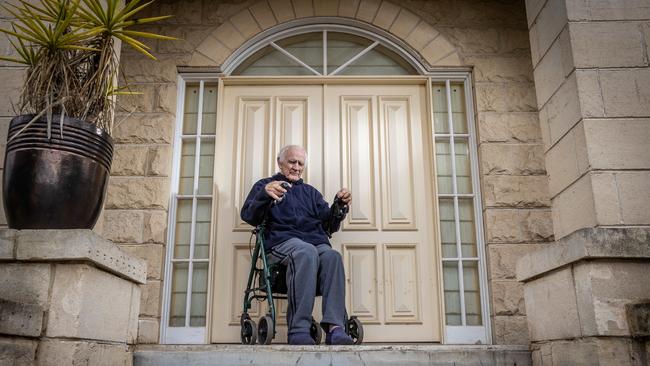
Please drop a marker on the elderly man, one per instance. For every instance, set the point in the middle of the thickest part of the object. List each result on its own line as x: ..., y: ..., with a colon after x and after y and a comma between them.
x: 296, y: 237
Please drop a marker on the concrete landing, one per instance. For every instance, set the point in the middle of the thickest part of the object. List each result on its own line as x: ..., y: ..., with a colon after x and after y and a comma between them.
x: 365, y: 355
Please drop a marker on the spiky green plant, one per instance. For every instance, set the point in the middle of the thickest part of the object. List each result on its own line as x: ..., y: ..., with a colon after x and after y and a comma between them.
x: 69, y: 47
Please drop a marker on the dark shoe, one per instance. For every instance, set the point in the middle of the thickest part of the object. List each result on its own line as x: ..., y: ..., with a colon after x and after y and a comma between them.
x: 338, y: 337
x: 301, y: 339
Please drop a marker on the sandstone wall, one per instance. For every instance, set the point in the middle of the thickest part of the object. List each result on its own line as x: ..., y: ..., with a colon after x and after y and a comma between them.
x: 491, y: 36
x: 12, y: 79
x: 592, y: 79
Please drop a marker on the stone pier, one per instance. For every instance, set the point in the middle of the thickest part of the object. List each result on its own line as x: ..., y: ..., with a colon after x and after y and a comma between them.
x: 588, y: 298
x: 586, y: 294
x: 67, y: 297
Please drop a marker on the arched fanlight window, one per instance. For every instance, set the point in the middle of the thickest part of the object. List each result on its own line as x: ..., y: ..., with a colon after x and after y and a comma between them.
x: 324, y: 53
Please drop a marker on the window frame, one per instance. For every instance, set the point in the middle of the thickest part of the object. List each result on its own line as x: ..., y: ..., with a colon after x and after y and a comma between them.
x: 186, y: 334
x: 323, y: 69
x: 463, y: 334
x: 375, y: 35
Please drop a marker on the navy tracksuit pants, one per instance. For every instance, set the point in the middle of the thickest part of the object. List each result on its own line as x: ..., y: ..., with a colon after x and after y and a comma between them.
x: 311, y: 270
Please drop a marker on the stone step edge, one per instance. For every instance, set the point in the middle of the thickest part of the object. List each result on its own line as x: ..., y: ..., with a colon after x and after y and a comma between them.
x: 434, y: 348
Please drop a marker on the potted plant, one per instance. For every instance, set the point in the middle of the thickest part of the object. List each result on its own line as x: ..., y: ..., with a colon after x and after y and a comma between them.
x: 59, y: 150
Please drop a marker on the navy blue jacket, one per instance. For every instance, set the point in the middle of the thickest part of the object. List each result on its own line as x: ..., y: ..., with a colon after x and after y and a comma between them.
x: 302, y: 213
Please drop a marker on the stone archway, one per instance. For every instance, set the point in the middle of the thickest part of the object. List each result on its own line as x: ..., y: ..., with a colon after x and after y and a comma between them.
x: 268, y: 16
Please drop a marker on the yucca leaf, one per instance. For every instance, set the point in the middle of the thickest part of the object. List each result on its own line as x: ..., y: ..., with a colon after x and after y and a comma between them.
x: 20, y: 36
x: 142, y: 45
x: 126, y: 16
x: 40, y: 29
x: 91, y: 32
x: 129, y: 23
x: 49, y: 9
x: 10, y: 11
x: 148, y: 35
x: 61, y: 118
x: 60, y: 13
x: 131, y: 4
x: 47, y: 109
x: 133, y: 44
x: 28, y: 15
x: 50, y: 6
x: 31, y: 28
x: 112, y: 7
x: 80, y: 37
x: 81, y: 48
x: 63, y: 22
x: 127, y: 9
x: 15, y: 60
x: 97, y: 10
x: 25, y: 51
x: 87, y: 15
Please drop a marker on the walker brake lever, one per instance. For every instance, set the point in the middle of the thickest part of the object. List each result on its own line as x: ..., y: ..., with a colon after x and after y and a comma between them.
x: 339, y: 208
x: 284, y: 185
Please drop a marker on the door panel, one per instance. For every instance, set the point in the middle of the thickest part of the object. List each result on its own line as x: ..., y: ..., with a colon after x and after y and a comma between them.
x: 357, y: 160
x: 397, y: 200
x: 367, y: 138
x: 253, y: 125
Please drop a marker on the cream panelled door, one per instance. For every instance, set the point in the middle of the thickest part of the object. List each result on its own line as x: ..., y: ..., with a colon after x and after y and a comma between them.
x: 256, y: 123
x: 368, y: 138
x: 388, y: 246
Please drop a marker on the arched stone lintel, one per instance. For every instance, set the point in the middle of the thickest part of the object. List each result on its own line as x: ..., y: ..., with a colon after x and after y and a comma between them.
x: 408, y: 31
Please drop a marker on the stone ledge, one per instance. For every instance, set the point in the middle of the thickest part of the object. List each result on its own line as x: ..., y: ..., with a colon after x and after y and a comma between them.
x: 378, y: 347
x: 421, y: 355
x: 589, y: 351
x: 72, y: 245
x: 55, y: 352
x: 584, y: 244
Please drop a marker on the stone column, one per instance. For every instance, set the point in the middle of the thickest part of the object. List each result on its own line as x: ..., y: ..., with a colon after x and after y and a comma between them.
x: 592, y: 81
x: 67, y: 297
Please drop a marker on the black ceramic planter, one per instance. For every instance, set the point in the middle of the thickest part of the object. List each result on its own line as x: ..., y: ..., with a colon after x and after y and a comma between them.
x: 56, y: 183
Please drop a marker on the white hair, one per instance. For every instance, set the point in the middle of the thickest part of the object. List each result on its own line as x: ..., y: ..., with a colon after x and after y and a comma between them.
x: 285, y: 149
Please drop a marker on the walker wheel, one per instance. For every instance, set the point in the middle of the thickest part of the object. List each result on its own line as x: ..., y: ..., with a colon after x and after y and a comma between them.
x: 315, y: 331
x: 266, y: 331
x: 355, y: 329
x: 248, y: 331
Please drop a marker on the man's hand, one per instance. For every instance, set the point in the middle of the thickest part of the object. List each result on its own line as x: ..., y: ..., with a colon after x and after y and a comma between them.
x: 344, y: 195
x: 275, y: 190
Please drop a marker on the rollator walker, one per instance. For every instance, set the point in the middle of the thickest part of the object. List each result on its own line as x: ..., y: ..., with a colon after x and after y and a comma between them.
x: 271, y: 284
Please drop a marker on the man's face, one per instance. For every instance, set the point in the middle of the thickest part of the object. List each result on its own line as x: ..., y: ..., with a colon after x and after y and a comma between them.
x: 293, y: 164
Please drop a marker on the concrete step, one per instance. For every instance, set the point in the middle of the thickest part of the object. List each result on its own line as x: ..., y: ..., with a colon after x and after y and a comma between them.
x: 416, y: 355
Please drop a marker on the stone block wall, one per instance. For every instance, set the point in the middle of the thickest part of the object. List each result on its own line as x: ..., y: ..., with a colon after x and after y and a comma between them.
x: 67, y: 297
x: 591, y: 67
x: 12, y: 76
x: 593, y: 91
x: 586, y: 300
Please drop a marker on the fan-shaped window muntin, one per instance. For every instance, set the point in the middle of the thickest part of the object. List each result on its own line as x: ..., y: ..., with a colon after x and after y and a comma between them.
x: 324, y: 53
